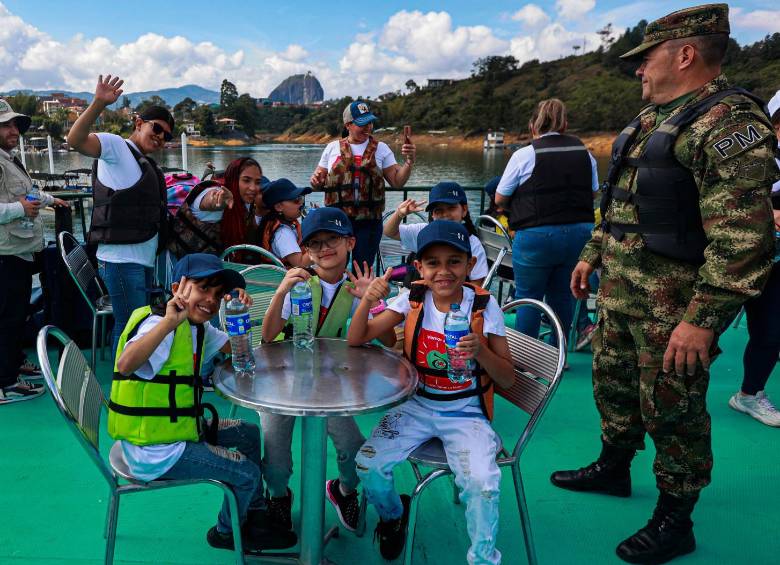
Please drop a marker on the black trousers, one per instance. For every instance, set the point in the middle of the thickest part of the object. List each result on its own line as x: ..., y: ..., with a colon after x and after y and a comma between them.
x: 763, y: 322
x: 15, y: 289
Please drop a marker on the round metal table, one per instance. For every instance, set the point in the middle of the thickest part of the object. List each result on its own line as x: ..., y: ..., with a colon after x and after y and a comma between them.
x: 333, y: 379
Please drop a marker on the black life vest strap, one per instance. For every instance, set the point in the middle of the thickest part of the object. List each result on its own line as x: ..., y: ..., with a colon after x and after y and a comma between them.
x: 170, y: 379
x: 171, y: 413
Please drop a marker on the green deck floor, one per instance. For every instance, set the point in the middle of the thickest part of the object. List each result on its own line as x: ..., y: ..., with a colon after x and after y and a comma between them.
x: 53, y: 501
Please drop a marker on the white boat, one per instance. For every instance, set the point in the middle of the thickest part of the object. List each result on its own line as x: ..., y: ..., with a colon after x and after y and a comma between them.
x: 493, y: 140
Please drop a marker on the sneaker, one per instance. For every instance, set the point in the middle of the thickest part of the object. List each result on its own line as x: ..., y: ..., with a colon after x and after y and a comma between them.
x: 347, y: 505
x: 585, y: 337
x: 20, y: 391
x: 30, y: 369
x: 758, y: 406
x: 280, y: 512
x: 392, y: 533
x: 254, y: 540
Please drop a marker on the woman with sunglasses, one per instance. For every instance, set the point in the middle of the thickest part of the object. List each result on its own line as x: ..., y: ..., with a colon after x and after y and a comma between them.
x: 129, y: 211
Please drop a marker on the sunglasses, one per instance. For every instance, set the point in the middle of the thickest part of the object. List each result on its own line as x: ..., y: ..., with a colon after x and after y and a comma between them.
x: 159, y: 130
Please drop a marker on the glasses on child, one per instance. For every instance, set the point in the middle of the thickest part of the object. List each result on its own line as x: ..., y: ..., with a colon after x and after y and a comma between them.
x: 159, y: 130
x: 329, y: 243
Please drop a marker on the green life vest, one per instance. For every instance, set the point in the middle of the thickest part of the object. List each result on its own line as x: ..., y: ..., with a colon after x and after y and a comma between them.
x: 167, y: 408
x: 335, y: 322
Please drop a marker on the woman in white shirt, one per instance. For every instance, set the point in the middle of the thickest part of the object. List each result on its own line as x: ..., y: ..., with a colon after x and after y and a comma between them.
x: 129, y: 211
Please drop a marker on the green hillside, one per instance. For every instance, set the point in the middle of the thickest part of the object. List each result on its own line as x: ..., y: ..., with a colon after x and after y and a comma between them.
x: 600, y: 90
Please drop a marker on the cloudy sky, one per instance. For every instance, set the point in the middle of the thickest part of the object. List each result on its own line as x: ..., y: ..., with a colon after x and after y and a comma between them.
x: 354, y: 49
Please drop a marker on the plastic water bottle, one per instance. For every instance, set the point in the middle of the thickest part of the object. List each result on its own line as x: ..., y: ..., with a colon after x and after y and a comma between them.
x: 32, y: 196
x: 300, y: 297
x: 240, y: 332
x: 456, y: 326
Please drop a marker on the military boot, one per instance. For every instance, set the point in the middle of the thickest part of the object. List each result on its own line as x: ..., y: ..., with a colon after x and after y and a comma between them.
x: 668, y: 534
x: 609, y: 474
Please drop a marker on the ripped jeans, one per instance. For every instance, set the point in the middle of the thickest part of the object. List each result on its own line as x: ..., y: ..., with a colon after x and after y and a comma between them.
x: 239, y: 467
x: 470, y: 444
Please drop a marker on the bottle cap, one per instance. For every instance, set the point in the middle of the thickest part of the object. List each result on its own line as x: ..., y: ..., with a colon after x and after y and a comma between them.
x: 455, y: 307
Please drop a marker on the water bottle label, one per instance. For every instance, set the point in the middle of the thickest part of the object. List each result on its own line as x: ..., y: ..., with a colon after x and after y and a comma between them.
x: 451, y: 338
x: 32, y: 198
x: 237, y: 325
x: 301, y: 306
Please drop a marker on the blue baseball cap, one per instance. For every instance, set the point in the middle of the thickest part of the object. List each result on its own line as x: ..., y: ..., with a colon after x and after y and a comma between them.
x: 264, y: 181
x: 325, y: 219
x: 280, y: 190
x: 446, y: 193
x: 446, y: 232
x: 492, y: 186
x: 205, y: 265
x: 359, y: 113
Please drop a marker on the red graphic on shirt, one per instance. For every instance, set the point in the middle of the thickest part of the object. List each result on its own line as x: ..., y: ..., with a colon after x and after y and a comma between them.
x: 432, y: 352
x: 323, y: 315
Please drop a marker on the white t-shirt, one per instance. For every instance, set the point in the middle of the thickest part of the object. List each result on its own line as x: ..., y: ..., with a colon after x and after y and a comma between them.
x: 431, y: 351
x: 328, y: 292
x: 149, y: 462
x: 332, y: 152
x: 208, y: 216
x: 118, y: 169
x: 285, y: 242
x: 409, y: 233
x: 521, y: 165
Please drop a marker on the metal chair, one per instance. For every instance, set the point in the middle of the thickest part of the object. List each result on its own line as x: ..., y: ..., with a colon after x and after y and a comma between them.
x: 391, y: 248
x: 252, y: 249
x: 84, y: 275
x: 498, y: 251
x: 80, y: 400
x: 538, y: 371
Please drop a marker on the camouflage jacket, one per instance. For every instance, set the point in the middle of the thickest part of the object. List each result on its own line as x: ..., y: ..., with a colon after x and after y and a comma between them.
x: 734, y: 183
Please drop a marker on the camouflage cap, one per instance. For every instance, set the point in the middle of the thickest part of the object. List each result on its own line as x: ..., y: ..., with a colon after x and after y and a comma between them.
x: 697, y: 20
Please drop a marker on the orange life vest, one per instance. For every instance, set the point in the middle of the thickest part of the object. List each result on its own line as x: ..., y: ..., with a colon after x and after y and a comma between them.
x: 412, y: 326
x: 361, y: 198
x: 270, y: 229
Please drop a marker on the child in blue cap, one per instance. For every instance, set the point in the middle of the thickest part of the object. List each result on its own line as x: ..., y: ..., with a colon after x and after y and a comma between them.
x: 457, y: 413
x: 155, y: 408
x: 446, y: 201
x: 279, y: 230
x: 327, y: 238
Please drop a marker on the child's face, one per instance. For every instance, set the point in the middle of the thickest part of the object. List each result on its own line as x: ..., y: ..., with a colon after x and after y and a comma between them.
x: 445, y: 269
x: 329, y: 250
x: 204, y: 300
x: 290, y: 209
x: 452, y: 212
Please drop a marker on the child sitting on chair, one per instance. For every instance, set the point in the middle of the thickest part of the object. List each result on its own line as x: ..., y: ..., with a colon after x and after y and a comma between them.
x: 156, y: 410
x: 457, y: 413
x: 328, y: 238
x: 279, y: 228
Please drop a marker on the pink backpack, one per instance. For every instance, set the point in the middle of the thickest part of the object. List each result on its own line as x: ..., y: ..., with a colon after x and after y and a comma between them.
x: 179, y: 186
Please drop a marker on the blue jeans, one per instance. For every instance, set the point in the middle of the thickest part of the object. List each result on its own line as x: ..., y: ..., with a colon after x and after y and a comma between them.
x: 543, y: 258
x: 367, y: 234
x: 240, y: 468
x: 127, y: 283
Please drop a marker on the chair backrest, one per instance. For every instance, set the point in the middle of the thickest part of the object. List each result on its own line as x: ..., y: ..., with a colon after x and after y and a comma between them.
x: 75, y: 391
x: 538, y: 369
x: 80, y: 267
x: 261, y: 284
x: 494, y: 241
x: 253, y: 249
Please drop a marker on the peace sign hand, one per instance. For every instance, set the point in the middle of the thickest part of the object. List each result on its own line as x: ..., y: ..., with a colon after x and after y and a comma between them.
x: 362, y: 280
x: 410, y: 206
x: 176, y: 308
x: 108, y: 90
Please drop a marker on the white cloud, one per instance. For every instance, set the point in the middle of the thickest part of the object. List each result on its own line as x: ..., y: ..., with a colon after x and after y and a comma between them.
x: 766, y: 21
x: 531, y: 15
x: 574, y: 9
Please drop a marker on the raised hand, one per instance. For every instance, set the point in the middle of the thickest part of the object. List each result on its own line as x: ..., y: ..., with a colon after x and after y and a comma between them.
x: 108, y: 90
x: 409, y: 151
x: 176, y: 308
x: 410, y: 206
x: 362, y: 280
x: 243, y: 297
x: 293, y: 277
x: 379, y: 288
x: 318, y: 178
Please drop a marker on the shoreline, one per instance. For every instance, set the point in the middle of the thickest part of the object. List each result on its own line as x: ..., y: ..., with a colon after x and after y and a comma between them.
x: 598, y: 143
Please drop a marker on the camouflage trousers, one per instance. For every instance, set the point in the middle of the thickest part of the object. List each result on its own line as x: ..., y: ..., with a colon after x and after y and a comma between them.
x: 634, y: 396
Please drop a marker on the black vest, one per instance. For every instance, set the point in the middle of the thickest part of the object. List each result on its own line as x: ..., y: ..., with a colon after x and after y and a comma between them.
x: 666, y: 197
x: 559, y: 190
x: 133, y: 215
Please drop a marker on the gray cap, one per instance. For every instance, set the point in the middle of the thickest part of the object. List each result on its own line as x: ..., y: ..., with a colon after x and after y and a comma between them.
x: 7, y: 114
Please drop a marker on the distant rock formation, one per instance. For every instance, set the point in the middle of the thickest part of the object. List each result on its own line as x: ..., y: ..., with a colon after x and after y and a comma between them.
x: 298, y: 89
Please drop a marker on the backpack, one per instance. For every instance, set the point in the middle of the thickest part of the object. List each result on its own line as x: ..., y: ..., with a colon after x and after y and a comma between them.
x: 179, y: 186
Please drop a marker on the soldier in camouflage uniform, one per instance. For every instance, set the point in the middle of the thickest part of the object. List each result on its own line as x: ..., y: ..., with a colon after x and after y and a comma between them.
x: 686, y: 238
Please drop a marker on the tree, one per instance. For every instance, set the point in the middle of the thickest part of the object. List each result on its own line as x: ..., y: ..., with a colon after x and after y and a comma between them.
x: 153, y: 101
x: 204, y: 120
x: 183, y: 110
x: 22, y: 103
x: 228, y: 94
x: 125, y: 102
x: 494, y: 67
x: 411, y: 85
x: 607, y: 38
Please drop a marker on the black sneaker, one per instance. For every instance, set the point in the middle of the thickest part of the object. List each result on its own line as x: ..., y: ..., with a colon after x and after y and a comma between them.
x: 20, y: 391
x: 392, y: 533
x: 253, y: 539
x: 279, y: 512
x: 30, y: 369
x: 347, y: 506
